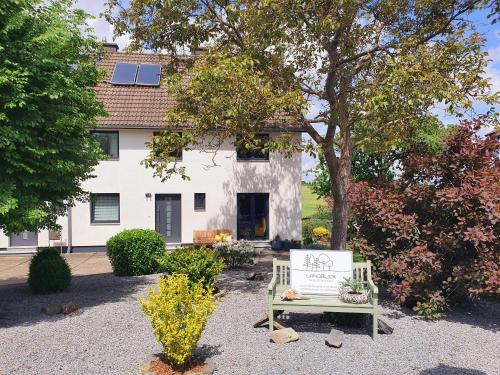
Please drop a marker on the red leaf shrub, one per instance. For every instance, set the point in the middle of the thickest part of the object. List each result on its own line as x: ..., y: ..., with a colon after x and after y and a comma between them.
x: 433, y: 234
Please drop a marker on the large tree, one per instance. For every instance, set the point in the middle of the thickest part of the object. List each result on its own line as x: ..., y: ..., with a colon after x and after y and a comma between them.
x: 373, y: 68
x: 47, y: 109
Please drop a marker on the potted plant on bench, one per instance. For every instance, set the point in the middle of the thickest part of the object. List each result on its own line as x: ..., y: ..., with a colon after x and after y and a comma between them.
x: 353, y: 291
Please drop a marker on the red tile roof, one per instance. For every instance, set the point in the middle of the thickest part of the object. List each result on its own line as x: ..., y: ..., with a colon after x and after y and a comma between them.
x: 136, y: 106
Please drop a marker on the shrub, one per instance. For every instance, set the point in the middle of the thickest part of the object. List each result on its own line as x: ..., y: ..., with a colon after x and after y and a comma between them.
x: 235, y: 253
x: 308, y: 227
x: 178, y: 314
x: 321, y: 235
x: 199, y: 265
x: 135, y: 252
x: 48, y: 272
x: 433, y: 233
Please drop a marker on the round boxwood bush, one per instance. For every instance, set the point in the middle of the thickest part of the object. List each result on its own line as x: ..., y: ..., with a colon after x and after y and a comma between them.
x: 200, y: 265
x: 135, y: 252
x: 48, y: 272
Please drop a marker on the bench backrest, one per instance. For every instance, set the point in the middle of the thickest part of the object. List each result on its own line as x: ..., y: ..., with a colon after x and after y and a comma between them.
x: 281, y: 269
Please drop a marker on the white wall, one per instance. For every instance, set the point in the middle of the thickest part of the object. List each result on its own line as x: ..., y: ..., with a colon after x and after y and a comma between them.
x: 279, y: 177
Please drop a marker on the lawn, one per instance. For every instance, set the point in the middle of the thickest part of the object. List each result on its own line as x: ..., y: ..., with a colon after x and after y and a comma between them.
x: 310, y: 201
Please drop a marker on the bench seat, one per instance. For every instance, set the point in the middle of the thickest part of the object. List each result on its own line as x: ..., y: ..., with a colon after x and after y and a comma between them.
x: 321, y: 303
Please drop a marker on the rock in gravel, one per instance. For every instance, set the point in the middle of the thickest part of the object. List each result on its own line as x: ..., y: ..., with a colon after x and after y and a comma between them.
x: 285, y: 335
x: 384, y: 328
x: 335, y: 338
x: 251, y: 275
x: 255, y: 276
x: 52, y: 309
x: 69, y: 308
x: 209, y: 367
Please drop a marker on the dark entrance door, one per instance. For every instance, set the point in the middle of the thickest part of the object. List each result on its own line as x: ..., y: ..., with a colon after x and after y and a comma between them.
x: 253, y: 216
x: 24, y: 239
x: 168, y: 216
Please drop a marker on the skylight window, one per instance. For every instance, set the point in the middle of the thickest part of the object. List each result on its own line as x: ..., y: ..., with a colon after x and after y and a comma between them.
x: 136, y: 74
x: 124, y: 74
x: 148, y: 75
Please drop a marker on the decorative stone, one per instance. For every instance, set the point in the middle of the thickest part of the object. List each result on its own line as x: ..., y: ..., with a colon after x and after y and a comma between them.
x: 334, y: 339
x: 290, y: 295
x: 285, y: 335
x: 69, y: 308
x: 52, y: 309
x: 146, y: 368
x: 384, y: 328
x: 220, y: 294
x: 251, y: 275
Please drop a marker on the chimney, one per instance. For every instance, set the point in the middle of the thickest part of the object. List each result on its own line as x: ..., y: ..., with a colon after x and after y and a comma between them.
x: 110, y: 47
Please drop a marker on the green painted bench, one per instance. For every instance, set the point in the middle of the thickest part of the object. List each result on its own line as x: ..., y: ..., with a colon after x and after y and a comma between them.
x: 320, y: 304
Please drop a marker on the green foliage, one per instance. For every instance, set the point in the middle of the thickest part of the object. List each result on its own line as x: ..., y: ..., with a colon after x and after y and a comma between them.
x: 48, y: 272
x: 47, y: 108
x: 235, y: 253
x: 199, y: 265
x: 432, y: 307
x: 375, y: 69
x: 308, y: 227
x: 321, y: 235
x: 135, y: 252
x: 352, y: 285
x: 178, y: 313
x: 378, y: 166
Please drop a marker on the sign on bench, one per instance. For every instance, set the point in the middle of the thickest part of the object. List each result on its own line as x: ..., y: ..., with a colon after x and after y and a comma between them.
x: 319, y: 271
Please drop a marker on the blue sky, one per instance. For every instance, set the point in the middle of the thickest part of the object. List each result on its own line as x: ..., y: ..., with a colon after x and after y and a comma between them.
x: 491, y: 32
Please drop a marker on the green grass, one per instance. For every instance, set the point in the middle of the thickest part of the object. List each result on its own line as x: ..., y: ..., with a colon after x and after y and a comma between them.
x: 310, y: 202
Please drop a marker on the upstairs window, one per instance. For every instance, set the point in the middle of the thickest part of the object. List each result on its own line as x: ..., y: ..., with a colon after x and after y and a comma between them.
x: 199, y: 201
x: 108, y: 142
x: 104, y: 208
x: 177, y: 154
x: 136, y: 74
x: 257, y: 153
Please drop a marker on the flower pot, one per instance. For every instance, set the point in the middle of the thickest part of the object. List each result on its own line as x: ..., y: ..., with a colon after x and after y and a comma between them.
x: 276, y: 245
x: 357, y: 298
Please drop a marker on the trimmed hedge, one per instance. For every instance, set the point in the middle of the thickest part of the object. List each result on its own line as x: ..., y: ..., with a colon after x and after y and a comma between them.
x: 200, y: 265
x: 48, y: 272
x: 135, y: 252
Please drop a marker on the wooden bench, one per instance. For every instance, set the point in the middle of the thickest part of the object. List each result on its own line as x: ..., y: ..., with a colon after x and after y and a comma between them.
x: 207, y: 237
x: 318, y: 303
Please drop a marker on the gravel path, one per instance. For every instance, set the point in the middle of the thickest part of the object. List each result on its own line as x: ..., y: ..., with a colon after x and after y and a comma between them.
x: 111, y: 336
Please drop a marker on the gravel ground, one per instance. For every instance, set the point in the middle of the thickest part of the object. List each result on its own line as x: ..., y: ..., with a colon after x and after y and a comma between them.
x: 111, y: 336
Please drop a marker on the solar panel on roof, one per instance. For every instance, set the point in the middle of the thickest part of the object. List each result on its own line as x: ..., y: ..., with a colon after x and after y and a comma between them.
x: 124, y: 74
x: 148, y: 75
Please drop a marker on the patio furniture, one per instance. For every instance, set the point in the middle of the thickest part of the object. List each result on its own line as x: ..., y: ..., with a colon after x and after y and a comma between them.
x: 207, y: 237
x: 321, y: 303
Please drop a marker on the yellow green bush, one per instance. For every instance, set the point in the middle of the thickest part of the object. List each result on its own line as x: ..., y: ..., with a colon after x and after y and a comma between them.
x: 321, y: 235
x: 178, y: 314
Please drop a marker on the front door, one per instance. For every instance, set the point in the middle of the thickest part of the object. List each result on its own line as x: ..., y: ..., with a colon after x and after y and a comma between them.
x: 168, y: 216
x: 253, y: 216
x: 24, y: 239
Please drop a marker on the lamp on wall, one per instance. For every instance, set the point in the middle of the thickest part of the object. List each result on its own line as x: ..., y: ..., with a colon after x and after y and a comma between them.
x: 148, y: 196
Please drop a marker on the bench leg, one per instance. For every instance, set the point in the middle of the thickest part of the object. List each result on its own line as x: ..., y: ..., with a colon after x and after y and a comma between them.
x: 270, y: 314
x: 375, y: 326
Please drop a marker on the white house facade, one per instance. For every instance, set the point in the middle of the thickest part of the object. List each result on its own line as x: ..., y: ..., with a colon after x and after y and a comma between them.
x: 255, y: 196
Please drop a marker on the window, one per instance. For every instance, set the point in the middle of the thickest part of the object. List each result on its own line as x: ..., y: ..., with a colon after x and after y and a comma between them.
x: 177, y: 154
x: 199, y: 201
x: 136, y: 74
x: 108, y: 142
x: 104, y: 208
x: 254, y: 154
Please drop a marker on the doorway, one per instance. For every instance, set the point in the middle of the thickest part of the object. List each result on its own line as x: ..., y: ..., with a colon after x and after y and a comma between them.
x: 253, y: 216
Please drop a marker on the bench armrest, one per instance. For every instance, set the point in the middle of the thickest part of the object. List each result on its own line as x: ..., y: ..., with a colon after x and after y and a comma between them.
x: 271, y: 288
x: 373, y: 290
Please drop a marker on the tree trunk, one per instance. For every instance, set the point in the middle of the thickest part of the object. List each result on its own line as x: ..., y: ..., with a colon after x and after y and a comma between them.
x: 340, y: 176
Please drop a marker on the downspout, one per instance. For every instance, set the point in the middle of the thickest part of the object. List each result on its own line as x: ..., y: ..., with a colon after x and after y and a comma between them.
x: 70, y: 231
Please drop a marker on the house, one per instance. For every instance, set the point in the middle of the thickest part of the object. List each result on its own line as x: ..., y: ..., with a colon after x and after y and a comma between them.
x: 256, y: 195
